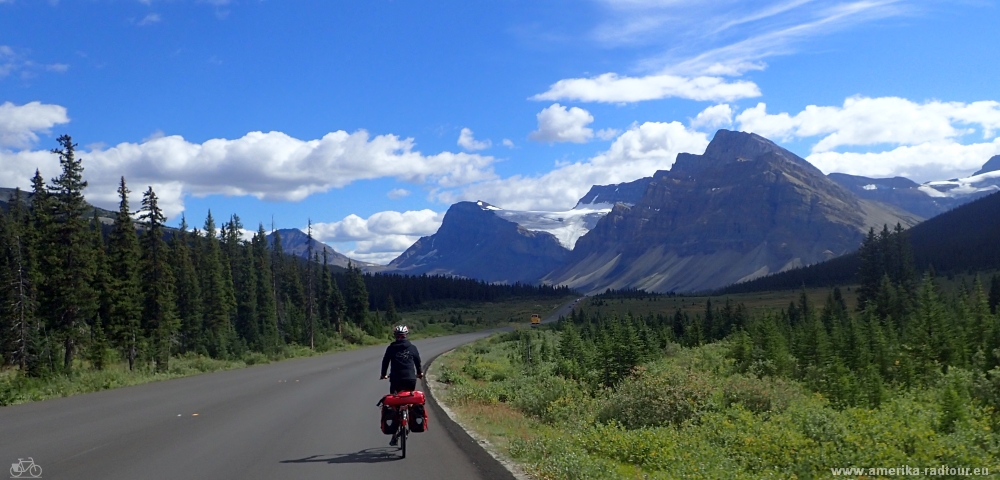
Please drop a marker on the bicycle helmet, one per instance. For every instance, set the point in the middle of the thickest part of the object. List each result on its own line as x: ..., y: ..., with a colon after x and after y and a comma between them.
x: 401, y: 330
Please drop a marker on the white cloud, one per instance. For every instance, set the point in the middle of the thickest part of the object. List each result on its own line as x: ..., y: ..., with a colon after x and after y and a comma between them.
x: 467, y: 141
x: 19, y: 125
x: 713, y: 117
x: 728, y: 37
x: 865, y: 121
x: 382, y: 236
x: 397, y: 193
x: 507, y: 143
x: 413, y: 223
x: 636, y: 153
x: 557, y: 124
x: 923, y: 162
x: 607, y: 133
x: 612, y: 88
x: 12, y: 62
x: 269, y: 166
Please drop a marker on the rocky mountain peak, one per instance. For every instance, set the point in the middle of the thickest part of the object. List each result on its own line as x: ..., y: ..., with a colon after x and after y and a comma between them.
x: 991, y: 165
x: 473, y: 241
x: 734, y: 147
x: 743, y: 209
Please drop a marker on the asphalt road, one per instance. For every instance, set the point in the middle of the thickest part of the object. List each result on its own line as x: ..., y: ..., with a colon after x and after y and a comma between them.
x: 296, y: 419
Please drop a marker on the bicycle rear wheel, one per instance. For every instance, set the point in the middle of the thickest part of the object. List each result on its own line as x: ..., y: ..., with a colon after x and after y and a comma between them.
x: 402, y: 443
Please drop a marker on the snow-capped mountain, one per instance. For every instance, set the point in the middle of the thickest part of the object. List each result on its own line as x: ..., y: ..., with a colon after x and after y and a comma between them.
x: 929, y: 199
x: 566, y: 226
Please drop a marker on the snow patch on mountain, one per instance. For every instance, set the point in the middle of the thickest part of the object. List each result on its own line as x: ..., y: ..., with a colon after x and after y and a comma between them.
x: 567, y: 226
x: 987, y: 182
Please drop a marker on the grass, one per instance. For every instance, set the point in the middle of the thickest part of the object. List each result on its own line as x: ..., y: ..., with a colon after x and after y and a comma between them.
x: 689, y: 414
x: 449, y: 317
x: 428, y: 321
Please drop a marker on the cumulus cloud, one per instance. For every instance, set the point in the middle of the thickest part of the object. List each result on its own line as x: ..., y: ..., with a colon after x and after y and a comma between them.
x: 20, y: 125
x: 607, y: 133
x: 929, y: 139
x: 923, y: 162
x: 268, y: 166
x: 636, y: 153
x: 382, y: 236
x: 397, y: 193
x: 556, y: 123
x: 612, y: 88
x: 467, y: 141
x: 507, y: 143
x: 871, y: 121
x: 713, y: 117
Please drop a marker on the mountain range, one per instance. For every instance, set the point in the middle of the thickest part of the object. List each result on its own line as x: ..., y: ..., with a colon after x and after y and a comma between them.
x: 744, y: 209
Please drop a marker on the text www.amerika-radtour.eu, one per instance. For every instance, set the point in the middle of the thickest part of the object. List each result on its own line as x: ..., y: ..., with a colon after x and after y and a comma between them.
x: 906, y: 470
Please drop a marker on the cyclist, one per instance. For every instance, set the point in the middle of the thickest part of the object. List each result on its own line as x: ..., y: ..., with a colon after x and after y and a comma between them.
x: 405, y: 360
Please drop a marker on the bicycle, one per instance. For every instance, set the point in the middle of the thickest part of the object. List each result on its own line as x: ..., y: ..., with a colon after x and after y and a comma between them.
x: 22, y: 467
x: 401, y: 403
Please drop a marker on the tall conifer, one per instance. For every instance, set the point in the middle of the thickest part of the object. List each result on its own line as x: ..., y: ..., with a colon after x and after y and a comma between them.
x: 159, y: 314
x: 68, y: 268
x: 125, y: 296
x: 189, y: 307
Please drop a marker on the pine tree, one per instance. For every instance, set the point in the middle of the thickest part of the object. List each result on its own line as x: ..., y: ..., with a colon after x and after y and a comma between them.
x: 189, y: 307
x: 245, y: 285
x: 994, y: 298
x: 124, y: 294
x: 870, y: 273
x: 391, y: 316
x: 98, y: 348
x: 159, y: 314
x: 338, y: 307
x: 68, y: 266
x: 357, y: 296
x: 217, y: 303
x: 40, y: 227
x: 17, y: 294
x: 310, y: 287
x: 267, y: 314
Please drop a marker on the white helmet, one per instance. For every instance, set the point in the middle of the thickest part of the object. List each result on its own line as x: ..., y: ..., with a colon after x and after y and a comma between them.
x: 401, y: 330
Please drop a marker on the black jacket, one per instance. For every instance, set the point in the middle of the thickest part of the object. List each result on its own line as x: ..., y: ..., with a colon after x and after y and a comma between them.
x: 405, y: 360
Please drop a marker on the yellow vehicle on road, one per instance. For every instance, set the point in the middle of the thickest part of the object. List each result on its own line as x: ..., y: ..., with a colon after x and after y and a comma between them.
x: 535, y: 320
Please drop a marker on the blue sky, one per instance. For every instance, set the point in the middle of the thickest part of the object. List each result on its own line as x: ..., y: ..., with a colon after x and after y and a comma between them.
x: 371, y: 118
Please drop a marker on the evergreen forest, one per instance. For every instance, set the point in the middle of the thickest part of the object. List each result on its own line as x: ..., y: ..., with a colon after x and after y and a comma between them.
x: 83, y: 291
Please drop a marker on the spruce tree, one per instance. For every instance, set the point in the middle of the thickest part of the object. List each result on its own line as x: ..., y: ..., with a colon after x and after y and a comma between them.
x: 68, y: 267
x: 217, y: 302
x: 310, y: 287
x: 994, y: 298
x: 98, y: 347
x: 338, y: 307
x: 159, y: 314
x: 17, y: 279
x: 189, y: 307
x: 267, y: 314
x: 40, y: 228
x: 125, y: 296
x: 245, y: 287
x: 357, y: 296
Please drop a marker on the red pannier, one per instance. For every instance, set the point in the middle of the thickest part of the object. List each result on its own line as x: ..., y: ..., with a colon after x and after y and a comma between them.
x: 404, y: 398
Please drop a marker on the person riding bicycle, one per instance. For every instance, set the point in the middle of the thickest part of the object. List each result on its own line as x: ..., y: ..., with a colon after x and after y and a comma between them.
x: 405, y: 361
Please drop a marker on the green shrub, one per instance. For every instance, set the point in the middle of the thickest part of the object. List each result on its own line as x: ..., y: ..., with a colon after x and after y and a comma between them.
x: 657, y: 399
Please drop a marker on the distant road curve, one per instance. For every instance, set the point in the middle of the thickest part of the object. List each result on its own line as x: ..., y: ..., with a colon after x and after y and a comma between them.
x: 297, y: 419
